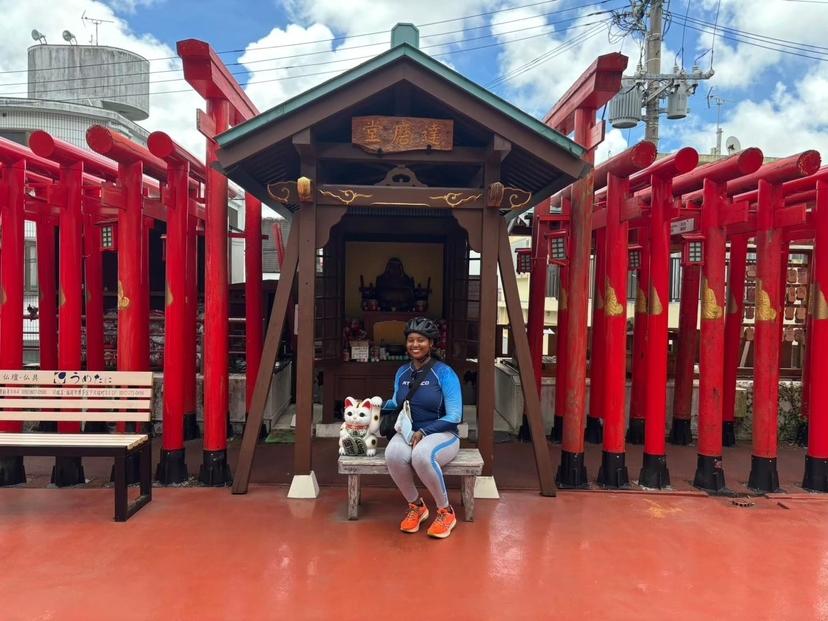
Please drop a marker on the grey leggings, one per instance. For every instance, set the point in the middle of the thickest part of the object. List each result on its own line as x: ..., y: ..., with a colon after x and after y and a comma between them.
x: 432, y: 452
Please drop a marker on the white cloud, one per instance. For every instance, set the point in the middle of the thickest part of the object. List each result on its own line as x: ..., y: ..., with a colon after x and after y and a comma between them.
x: 614, y: 143
x: 174, y: 113
x: 305, y: 57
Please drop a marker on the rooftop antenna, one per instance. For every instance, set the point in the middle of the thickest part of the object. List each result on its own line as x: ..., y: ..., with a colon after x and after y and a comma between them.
x: 97, y: 23
x: 718, y: 102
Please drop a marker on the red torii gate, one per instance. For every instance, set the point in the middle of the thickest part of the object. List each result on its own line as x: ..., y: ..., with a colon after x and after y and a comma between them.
x: 227, y: 104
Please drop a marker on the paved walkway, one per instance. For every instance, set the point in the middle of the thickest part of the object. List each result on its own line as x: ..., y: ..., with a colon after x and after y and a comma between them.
x: 205, y: 554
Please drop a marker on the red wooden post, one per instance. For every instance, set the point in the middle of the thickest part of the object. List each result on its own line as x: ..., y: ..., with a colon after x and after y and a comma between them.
x: 94, y: 296
x: 686, y: 351
x: 172, y: 467
x: 560, y: 340
x: 13, y: 197
x: 215, y: 470
x: 635, y: 433
x: 733, y: 334
x: 191, y: 430
x: 69, y: 470
x: 597, y: 357
x: 654, y: 472
x: 709, y: 471
x: 47, y: 297
x: 572, y: 471
x: 816, y: 459
x: 537, y: 291
x: 763, y: 473
x: 252, y: 291
x: 613, y: 470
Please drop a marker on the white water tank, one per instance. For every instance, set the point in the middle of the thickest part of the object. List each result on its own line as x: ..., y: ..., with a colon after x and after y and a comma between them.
x: 97, y: 75
x: 625, y: 107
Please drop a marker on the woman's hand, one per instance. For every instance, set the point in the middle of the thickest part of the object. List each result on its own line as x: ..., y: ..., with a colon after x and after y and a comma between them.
x: 418, y: 435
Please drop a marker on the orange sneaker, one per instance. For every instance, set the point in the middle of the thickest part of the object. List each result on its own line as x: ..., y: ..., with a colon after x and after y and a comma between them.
x: 416, y: 514
x: 443, y: 524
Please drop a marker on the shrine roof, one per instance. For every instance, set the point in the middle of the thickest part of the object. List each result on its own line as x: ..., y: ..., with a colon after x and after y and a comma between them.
x: 248, y: 150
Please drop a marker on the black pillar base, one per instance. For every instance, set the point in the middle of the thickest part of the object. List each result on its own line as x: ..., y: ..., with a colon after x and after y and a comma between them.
x: 524, y: 433
x: 191, y: 430
x: 709, y: 474
x: 95, y: 426
x: 816, y: 474
x: 46, y: 426
x: 12, y: 470
x: 556, y: 434
x: 654, y: 472
x: 594, y: 432
x: 68, y: 471
x: 802, y: 433
x: 680, y: 434
x: 171, y: 468
x: 763, y: 475
x: 572, y: 472
x: 229, y: 427
x: 728, y: 433
x: 635, y: 432
x: 215, y: 471
x: 613, y: 471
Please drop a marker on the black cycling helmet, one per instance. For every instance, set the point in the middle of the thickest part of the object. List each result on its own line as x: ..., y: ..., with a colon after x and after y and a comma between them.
x: 423, y: 325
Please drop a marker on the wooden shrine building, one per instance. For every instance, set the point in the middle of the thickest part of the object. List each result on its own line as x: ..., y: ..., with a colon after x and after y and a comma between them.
x: 400, y: 177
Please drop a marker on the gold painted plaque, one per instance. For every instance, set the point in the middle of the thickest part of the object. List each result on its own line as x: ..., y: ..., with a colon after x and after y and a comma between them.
x: 640, y: 302
x: 764, y: 308
x: 396, y: 134
x: 655, y: 302
x: 612, y: 308
x: 710, y: 307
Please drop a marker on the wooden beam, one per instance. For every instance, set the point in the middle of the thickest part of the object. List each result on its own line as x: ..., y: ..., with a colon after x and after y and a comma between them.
x: 387, y: 196
x: 347, y: 152
x: 543, y: 461
x: 305, y: 340
x: 269, y: 353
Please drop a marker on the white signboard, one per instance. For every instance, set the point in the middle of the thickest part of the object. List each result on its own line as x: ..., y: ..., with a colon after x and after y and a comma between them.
x: 683, y: 226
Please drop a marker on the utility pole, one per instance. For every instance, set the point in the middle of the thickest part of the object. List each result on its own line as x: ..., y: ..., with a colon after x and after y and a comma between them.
x: 653, y: 64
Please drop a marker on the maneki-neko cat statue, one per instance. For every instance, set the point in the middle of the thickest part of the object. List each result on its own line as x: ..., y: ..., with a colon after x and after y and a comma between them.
x: 358, y: 434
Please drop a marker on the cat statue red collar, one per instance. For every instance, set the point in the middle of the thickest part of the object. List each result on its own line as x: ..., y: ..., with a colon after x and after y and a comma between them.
x: 358, y: 434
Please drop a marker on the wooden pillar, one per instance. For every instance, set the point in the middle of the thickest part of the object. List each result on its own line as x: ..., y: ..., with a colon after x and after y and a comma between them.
x: 537, y: 290
x: 278, y: 318
x: 94, y: 296
x: 613, y: 471
x: 709, y: 471
x: 635, y: 432
x: 305, y: 343
x: 214, y: 468
x: 733, y: 334
x: 560, y: 344
x: 597, y: 358
x: 12, y: 246
x: 543, y: 460
x: 686, y: 351
x: 816, y: 459
x: 769, y: 292
x: 69, y: 470
x: 654, y: 472
x: 191, y: 430
x: 252, y: 292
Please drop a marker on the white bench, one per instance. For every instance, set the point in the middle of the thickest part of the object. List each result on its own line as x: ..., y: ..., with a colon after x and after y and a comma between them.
x: 468, y: 464
x: 82, y: 396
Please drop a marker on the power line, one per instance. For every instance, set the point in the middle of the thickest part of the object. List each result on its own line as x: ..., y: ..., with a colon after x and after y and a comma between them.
x: 337, y: 71
x: 762, y: 37
x: 316, y: 64
x: 283, y: 45
x: 303, y: 54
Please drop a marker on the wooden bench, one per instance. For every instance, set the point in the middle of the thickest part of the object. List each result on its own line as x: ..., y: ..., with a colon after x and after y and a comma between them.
x: 82, y: 396
x: 468, y: 464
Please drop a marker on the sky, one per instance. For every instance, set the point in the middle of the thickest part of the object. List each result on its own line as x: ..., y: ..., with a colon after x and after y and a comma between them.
x: 770, y: 57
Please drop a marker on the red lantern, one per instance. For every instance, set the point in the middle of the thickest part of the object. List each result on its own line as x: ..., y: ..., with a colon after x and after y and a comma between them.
x: 693, y: 251
x: 524, y: 260
x: 556, y: 245
x: 109, y: 237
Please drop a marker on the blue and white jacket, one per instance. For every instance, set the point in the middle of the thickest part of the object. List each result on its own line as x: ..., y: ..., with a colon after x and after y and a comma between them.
x: 437, y: 405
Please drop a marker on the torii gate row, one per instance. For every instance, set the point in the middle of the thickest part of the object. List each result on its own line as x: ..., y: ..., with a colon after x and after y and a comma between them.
x: 227, y: 104
x: 77, y: 186
x: 778, y: 215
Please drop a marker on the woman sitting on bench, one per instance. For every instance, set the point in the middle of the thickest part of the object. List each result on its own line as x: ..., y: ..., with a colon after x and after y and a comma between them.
x: 432, y: 390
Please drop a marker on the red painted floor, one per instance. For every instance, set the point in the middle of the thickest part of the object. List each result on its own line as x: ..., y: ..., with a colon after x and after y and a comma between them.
x: 205, y: 554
